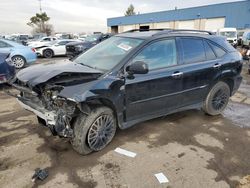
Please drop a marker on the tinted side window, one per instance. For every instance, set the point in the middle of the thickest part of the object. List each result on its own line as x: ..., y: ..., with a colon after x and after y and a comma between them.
x: 192, y: 50
x: 63, y: 43
x: 209, y: 52
x: 158, y: 55
x: 4, y: 45
x: 46, y: 39
x: 218, y: 51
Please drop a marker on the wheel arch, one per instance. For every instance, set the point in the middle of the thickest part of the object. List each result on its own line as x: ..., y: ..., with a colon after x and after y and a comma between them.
x: 16, y: 54
x: 86, y: 107
x: 49, y: 49
x: 229, y: 82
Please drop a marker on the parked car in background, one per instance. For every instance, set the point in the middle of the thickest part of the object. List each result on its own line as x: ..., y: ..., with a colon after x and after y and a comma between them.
x: 130, y: 78
x: 38, y: 36
x: 230, y: 34
x: 82, y: 37
x: 246, y: 39
x: 7, y: 68
x: 239, y: 36
x: 75, y: 48
x: 41, y: 42
x: 21, y: 55
x: 20, y: 38
x: 54, y: 48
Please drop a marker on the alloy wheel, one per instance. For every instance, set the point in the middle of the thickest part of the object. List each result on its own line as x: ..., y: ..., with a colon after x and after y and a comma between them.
x: 18, y: 61
x: 101, y: 132
x: 220, y: 100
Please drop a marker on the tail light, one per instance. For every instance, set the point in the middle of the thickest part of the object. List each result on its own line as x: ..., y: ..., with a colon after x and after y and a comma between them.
x: 33, y: 49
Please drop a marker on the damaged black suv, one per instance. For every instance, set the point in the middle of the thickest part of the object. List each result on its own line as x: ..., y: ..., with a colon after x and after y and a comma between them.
x: 130, y: 78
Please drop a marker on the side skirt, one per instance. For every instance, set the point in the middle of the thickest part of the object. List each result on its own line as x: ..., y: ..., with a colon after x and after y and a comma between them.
x: 128, y: 124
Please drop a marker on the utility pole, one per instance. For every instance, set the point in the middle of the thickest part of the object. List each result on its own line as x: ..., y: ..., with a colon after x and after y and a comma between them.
x: 40, y: 5
x: 41, y: 23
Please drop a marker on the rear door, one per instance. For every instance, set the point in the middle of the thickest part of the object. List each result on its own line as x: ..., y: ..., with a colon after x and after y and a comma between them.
x: 158, y: 91
x: 200, y: 68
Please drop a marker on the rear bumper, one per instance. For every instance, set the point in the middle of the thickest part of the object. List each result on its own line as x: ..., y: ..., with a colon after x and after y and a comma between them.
x: 237, y: 82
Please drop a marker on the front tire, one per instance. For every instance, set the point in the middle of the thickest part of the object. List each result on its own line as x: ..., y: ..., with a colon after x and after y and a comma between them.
x: 95, y: 131
x: 217, y: 99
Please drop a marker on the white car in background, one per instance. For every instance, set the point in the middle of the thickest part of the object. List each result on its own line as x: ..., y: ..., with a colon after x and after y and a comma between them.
x: 54, y: 48
x: 41, y: 42
x: 230, y: 34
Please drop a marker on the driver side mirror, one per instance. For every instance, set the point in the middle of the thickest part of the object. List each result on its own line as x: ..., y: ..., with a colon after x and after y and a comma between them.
x: 138, y: 67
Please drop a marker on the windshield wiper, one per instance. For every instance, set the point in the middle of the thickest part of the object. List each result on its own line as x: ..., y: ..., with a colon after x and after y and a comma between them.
x: 88, y: 66
x: 96, y: 68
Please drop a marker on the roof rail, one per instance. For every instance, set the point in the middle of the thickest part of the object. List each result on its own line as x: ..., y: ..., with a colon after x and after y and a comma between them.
x: 141, y: 30
x: 183, y: 31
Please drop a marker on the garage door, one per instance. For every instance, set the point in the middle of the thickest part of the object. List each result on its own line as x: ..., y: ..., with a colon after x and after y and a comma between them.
x: 214, y: 24
x: 189, y: 24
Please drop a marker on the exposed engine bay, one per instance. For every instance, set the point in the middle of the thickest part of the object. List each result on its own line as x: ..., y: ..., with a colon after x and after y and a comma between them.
x: 44, y: 99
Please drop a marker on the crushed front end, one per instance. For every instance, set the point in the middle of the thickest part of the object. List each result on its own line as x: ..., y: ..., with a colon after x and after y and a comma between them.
x: 56, y: 112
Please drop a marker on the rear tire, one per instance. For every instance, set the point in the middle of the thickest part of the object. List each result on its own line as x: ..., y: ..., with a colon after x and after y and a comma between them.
x: 18, y: 61
x: 48, y: 53
x: 217, y: 99
x: 95, y: 131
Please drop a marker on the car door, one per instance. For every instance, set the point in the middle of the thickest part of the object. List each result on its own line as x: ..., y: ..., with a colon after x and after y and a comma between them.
x: 157, y: 91
x: 59, y: 48
x: 200, y: 67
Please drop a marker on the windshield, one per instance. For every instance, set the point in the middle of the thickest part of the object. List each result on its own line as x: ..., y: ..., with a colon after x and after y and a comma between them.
x: 229, y: 34
x: 108, y: 53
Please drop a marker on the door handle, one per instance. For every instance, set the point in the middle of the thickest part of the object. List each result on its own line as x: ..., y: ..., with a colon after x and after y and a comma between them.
x: 217, y: 65
x: 177, y: 74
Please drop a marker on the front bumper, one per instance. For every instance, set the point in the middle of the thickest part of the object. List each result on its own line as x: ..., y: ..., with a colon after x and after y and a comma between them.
x: 48, y: 116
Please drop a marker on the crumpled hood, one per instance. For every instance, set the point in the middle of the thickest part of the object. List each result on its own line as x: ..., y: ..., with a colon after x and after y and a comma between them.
x: 41, y: 73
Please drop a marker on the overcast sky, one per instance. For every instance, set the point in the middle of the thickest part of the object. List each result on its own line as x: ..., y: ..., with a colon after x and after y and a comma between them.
x: 81, y: 15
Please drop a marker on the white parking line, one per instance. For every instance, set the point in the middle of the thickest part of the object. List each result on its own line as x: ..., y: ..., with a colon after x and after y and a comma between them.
x: 125, y: 152
x: 161, y: 178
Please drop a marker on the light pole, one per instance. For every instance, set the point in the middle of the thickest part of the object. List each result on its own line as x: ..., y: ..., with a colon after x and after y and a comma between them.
x: 40, y: 5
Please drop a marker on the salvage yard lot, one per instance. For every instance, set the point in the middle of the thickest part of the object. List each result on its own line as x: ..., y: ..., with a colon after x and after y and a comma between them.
x: 190, y: 148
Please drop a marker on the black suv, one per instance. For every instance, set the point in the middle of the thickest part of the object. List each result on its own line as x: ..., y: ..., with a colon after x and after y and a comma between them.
x: 130, y: 78
x: 73, y: 49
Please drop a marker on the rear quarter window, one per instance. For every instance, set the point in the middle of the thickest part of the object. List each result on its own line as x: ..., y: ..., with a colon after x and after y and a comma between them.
x: 222, y: 42
x: 192, y: 50
x: 218, y: 50
x: 209, y: 51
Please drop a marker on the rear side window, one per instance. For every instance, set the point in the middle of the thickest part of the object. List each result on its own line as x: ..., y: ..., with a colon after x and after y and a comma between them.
x: 192, y: 50
x: 218, y: 50
x: 209, y: 52
x: 4, y: 45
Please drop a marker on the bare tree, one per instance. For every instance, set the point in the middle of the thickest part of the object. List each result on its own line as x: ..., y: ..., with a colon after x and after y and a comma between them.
x: 130, y: 11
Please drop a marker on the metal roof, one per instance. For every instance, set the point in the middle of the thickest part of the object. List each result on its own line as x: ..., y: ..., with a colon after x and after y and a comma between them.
x: 237, y: 15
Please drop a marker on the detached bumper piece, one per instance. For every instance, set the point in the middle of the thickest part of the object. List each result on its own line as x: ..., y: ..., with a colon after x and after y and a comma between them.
x: 58, y: 122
